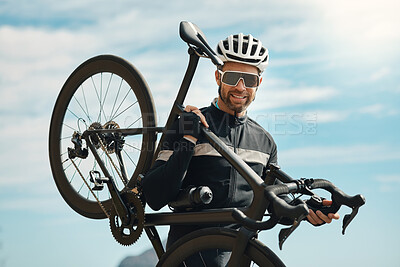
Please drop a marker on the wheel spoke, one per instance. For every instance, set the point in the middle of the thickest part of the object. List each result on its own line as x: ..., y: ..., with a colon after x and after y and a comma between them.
x: 124, y: 111
x: 86, y: 114
x: 79, y: 118
x: 84, y: 99
x: 138, y: 149
x: 64, y: 138
x: 119, y: 106
x: 134, y: 122
x: 108, y: 87
x: 75, y: 171
x: 99, y: 99
x: 129, y: 158
x: 116, y: 98
x: 202, y: 260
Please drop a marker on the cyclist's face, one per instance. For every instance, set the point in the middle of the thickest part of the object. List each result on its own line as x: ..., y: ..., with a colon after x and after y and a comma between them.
x: 236, y: 98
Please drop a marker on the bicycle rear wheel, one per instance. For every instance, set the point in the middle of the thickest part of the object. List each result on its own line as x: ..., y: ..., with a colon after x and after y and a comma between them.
x: 188, y: 250
x: 103, y: 92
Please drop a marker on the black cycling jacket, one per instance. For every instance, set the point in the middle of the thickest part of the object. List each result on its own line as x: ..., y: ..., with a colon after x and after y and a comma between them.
x: 181, y: 163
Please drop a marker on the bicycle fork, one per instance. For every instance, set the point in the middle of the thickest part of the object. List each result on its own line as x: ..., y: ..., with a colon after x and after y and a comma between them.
x: 242, y: 239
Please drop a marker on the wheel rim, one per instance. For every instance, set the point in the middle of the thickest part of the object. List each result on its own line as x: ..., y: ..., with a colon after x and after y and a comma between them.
x: 105, y: 93
x: 221, y: 241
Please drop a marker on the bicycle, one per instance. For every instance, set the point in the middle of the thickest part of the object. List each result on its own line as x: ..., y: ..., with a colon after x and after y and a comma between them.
x: 89, y: 150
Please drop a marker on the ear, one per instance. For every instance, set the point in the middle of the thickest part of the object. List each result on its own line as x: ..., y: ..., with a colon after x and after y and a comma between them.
x: 217, y: 78
x: 258, y: 87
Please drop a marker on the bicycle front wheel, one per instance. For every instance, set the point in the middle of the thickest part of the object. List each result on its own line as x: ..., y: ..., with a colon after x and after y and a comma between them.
x: 105, y: 92
x: 195, y: 248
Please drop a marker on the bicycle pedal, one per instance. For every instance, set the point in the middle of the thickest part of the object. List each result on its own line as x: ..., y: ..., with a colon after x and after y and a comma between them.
x: 97, y: 180
x: 98, y: 187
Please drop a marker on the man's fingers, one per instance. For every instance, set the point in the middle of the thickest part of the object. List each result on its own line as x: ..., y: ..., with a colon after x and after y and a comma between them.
x: 326, y: 202
x: 313, y: 218
x: 197, y: 111
x: 334, y: 216
x: 323, y: 217
x: 189, y: 108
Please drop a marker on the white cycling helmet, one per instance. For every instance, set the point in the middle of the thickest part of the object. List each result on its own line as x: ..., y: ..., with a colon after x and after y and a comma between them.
x: 243, y: 49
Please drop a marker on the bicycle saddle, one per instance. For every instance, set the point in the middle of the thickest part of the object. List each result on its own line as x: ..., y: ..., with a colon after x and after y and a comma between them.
x: 192, y: 35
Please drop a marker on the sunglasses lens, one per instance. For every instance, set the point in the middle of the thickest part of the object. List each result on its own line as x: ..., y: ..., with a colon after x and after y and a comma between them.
x: 232, y: 78
x: 250, y: 80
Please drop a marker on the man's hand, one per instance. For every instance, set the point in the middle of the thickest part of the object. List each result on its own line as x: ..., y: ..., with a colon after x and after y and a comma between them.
x: 202, y: 119
x: 318, y: 218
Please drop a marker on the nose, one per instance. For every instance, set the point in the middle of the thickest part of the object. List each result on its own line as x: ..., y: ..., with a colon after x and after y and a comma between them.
x: 240, y: 85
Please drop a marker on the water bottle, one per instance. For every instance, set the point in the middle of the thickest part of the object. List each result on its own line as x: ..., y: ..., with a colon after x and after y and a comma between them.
x: 192, y: 197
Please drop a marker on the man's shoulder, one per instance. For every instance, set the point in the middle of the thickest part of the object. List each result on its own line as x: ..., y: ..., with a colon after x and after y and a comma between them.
x: 205, y: 109
x: 257, y: 127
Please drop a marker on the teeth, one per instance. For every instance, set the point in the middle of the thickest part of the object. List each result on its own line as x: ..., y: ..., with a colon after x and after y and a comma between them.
x: 237, y: 96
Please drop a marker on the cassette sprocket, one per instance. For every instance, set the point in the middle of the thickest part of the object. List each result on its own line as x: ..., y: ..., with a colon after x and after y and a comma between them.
x: 127, y: 234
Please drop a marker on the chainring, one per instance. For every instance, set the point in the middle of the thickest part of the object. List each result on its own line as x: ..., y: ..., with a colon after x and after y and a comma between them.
x: 128, y: 234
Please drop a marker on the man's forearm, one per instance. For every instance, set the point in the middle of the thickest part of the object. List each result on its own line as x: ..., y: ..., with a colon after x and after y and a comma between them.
x: 162, y: 182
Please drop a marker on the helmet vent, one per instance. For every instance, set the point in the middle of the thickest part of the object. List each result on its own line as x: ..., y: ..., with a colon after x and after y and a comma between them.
x: 248, y: 60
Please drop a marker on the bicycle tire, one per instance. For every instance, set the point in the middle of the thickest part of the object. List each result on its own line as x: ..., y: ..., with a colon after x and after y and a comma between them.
x: 82, y: 92
x: 217, y: 238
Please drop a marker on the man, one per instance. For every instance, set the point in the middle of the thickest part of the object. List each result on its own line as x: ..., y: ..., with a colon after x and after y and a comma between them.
x: 187, y: 159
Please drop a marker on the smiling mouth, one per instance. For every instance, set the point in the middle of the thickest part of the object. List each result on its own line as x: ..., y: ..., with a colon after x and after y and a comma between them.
x: 238, y: 96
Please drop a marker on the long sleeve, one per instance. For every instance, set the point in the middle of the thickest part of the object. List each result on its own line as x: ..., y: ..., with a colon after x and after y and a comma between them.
x: 162, y: 182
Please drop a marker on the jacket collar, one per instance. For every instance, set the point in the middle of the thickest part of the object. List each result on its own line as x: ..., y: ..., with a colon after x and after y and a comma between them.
x: 222, y: 115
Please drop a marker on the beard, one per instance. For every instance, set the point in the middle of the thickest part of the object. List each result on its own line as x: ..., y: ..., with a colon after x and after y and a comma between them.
x: 234, y: 106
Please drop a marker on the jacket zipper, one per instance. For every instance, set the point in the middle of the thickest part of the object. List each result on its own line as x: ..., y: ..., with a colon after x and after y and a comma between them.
x: 234, y: 171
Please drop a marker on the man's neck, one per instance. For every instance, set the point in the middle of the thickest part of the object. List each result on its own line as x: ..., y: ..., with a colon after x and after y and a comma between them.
x: 222, y: 106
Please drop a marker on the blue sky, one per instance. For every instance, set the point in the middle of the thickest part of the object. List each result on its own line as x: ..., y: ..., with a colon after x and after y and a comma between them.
x: 330, y: 98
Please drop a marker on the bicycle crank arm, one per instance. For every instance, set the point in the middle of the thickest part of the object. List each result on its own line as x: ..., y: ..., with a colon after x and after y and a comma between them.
x: 117, y: 201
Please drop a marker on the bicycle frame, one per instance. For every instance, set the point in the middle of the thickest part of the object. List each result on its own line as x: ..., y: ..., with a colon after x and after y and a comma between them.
x: 221, y: 216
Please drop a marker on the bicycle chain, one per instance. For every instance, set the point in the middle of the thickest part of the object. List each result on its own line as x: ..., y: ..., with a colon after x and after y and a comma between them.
x: 112, y: 162
x: 90, y: 189
x: 135, y: 207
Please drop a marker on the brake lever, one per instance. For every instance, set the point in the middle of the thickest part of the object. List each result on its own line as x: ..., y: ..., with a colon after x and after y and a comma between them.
x: 286, y: 232
x: 349, y: 217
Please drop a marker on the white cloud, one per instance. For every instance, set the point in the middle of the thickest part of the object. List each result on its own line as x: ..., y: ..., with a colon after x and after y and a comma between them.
x: 35, y: 62
x: 324, y: 116
x: 378, y: 110
x: 388, y: 182
x: 372, y: 109
x: 289, y: 61
x: 380, y: 73
x: 366, y: 29
x: 329, y: 115
x: 334, y: 155
x: 275, y: 93
x: 24, y: 145
x: 38, y: 204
